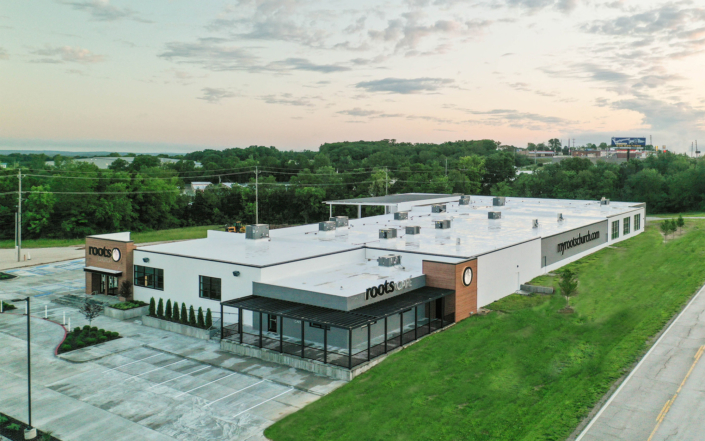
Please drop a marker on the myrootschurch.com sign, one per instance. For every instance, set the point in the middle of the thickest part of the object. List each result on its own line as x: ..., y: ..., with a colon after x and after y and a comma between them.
x: 574, y: 242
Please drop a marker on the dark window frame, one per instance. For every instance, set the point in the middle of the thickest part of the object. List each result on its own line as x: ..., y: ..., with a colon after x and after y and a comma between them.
x: 209, y: 289
x: 637, y: 222
x: 615, y: 229
x: 272, y: 323
x: 626, y: 226
x: 149, y: 277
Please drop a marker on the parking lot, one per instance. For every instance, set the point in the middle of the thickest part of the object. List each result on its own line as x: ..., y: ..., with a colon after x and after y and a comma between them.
x: 150, y: 384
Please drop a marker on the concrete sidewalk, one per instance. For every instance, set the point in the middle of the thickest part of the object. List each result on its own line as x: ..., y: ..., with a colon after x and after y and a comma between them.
x: 664, y: 396
x: 39, y: 256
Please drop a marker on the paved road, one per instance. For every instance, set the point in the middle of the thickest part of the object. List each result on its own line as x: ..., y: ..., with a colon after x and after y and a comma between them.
x: 664, y: 396
x: 38, y: 256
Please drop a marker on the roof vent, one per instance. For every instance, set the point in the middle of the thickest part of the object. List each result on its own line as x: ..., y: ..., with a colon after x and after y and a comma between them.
x: 443, y: 224
x: 257, y: 231
x: 326, y: 226
x: 388, y: 233
x: 438, y: 208
x: 604, y: 201
x: 389, y: 260
x: 494, y: 215
x: 560, y: 217
x: 415, y: 229
x: 535, y: 223
x: 465, y: 200
x: 401, y: 215
x: 340, y: 221
x: 498, y: 201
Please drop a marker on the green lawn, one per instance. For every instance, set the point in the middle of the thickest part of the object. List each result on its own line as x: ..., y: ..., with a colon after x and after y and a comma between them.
x: 141, y: 237
x: 526, y: 373
x: 686, y: 214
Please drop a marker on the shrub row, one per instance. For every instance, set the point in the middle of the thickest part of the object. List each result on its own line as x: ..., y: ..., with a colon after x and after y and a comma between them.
x: 185, y: 317
x: 8, y: 306
x: 132, y: 304
x: 86, y: 336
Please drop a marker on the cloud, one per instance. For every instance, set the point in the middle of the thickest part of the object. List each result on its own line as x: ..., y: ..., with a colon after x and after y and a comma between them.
x: 304, y: 64
x: 662, y: 115
x: 361, y: 113
x: 209, y: 53
x: 405, y: 86
x: 67, y: 54
x: 213, y: 95
x: 515, y: 118
x: 102, y: 10
x: 565, y: 6
x: 287, y: 99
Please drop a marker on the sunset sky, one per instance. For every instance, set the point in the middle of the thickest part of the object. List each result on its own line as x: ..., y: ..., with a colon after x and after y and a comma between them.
x: 182, y: 75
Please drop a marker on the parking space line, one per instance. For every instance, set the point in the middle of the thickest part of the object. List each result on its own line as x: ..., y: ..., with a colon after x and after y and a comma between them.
x: 178, y: 377
x: 234, y: 393
x: 143, y: 373
x: 183, y: 393
x: 270, y: 399
x: 132, y: 362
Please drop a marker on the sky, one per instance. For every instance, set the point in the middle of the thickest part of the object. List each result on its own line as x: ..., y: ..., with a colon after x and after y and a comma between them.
x: 182, y: 75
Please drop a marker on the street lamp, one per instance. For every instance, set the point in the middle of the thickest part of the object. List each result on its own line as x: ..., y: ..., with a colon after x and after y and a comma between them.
x: 30, y: 432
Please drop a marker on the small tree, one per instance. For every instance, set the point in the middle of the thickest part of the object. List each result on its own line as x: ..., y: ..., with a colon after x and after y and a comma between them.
x: 201, y: 320
x: 191, y: 316
x: 568, y: 285
x: 184, y: 314
x: 90, y: 310
x: 674, y: 226
x: 126, y: 289
x: 167, y: 310
x: 160, y: 308
x: 175, y: 315
x: 209, y: 319
x: 152, y: 308
x: 680, y: 222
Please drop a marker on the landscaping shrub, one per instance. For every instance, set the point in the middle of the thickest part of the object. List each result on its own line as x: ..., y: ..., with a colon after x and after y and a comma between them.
x: 201, y: 320
x: 13, y: 426
x: 77, y: 330
x: 152, y: 308
x: 167, y: 310
x: 8, y: 306
x: 65, y: 347
x: 175, y: 315
x: 184, y: 314
x: 3, y: 419
x: 90, y: 341
x: 128, y: 305
x: 191, y: 316
x: 83, y: 337
x: 102, y: 339
x: 79, y: 344
x: 87, y: 328
x: 209, y: 319
x: 160, y: 308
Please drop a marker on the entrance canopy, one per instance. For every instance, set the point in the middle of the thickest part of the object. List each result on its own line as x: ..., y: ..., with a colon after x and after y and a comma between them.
x: 95, y: 269
x: 339, y: 319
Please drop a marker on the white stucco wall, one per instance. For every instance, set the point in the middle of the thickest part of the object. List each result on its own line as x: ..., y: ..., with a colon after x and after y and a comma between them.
x: 500, y: 273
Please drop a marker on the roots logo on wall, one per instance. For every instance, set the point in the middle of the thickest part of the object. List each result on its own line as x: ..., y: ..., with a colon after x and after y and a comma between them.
x: 574, y: 242
x: 105, y: 252
x: 387, y: 288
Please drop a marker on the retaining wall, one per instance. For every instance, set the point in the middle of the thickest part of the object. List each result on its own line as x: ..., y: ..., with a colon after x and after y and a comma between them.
x: 125, y: 314
x: 166, y: 325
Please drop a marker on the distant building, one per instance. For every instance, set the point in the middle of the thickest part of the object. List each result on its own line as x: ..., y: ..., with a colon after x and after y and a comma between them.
x: 3, y: 164
x: 538, y: 153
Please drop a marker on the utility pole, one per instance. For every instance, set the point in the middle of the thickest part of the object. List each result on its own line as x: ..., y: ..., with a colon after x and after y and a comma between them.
x: 19, y: 216
x: 256, y: 195
x: 446, y: 166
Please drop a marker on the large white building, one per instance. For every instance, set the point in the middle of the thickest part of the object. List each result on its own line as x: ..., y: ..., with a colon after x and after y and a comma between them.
x: 336, y: 295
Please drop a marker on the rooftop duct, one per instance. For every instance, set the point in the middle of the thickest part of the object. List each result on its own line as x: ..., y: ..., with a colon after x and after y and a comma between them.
x: 443, y: 224
x: 415, y: 229
x: 257, y: 231
x: 340, y: 221
x: 498, y: 201
x: 401, y: 215
x: 604, y: 201
x: 326, y: 226
x: 535, y: 223
x: 560, y: 217
x: 494, y: 215
x: 438, y: 208
x: 465, y: 200
x: 387, y: 233
x: 389, y: 260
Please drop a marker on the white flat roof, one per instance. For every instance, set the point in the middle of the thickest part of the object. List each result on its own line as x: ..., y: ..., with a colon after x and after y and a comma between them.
x: 471, y: 233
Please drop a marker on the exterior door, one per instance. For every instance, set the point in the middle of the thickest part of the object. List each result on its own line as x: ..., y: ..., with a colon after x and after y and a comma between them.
x: 112, y: 285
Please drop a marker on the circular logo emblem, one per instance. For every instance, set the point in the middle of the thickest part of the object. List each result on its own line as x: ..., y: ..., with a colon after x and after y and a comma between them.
x: 467, y: 276
x: 116, y: 256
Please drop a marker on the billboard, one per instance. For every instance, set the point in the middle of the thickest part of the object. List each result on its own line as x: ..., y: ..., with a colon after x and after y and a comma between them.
x: 639, y: 142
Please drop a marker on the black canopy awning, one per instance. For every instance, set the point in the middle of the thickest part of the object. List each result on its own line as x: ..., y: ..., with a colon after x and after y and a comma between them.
x: 339, y: 319
x: 95, y: 269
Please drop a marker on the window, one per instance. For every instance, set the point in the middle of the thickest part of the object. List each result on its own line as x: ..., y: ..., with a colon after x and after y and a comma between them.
x: 615, y: 229
x: 149, y: 277
x: 626, y: 225
x: 209, y: 287
x: 272, y: 323
x: 637, y: 222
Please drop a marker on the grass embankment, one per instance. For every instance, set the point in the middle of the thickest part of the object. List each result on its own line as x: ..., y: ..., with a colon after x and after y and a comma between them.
x: 140, y: 237
x: 526, y: 373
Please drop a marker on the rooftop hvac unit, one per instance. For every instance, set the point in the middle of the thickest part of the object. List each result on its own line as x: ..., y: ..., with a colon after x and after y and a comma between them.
x: 387, y: 233
x: 415, y: 229
x: 438, y: 208
x: 560, y: 217
x: 498, y: 201
x: 401, y: 215
x: 604, y: 201
x: 465, y: 200
x: 494, y: 215
x: 257, y: 231
x: 389, y: 260
x: 326, y: 226
x: 535, y: 223
x: 340, y: 221
x: 443, y: 224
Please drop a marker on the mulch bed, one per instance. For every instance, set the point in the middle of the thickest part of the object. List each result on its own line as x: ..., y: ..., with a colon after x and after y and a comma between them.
x: 18, y: 435
x: 5, y: 276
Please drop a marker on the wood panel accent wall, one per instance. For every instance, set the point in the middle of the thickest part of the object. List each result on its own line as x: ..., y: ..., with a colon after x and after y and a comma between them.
x: 125, y: 264
x: 450, y: 276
